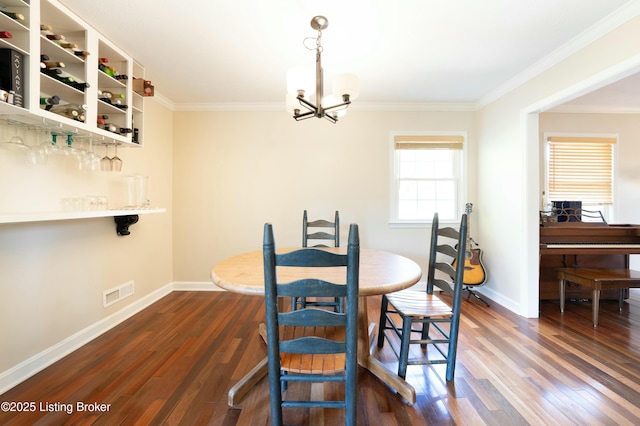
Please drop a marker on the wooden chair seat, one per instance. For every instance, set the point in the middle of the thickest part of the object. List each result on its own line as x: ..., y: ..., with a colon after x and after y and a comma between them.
x: 417, y: 303
x: 313, y: 363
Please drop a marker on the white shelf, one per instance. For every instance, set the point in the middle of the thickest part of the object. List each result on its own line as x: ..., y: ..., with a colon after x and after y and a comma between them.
x: 59, y: 215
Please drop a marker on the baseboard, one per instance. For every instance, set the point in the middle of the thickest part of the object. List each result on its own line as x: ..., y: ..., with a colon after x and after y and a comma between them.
x: 195, y: 286
x: 40, y: 361
x: 498, y: 298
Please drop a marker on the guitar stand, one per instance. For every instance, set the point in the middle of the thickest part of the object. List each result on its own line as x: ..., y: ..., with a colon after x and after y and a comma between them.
x: 476, y: 295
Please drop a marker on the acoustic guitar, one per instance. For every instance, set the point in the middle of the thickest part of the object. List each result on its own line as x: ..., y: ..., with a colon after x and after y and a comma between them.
x: 474, y: 270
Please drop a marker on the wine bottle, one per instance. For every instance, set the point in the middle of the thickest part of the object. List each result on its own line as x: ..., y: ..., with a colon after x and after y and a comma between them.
x: 52, y: 72
x: 111, y: 127
x: 73, y: 111
x: 44, y: 27
x: 79, y: 85
x: 81, y: 53
x: 67, y: 45
x: 49, y: 102
x: 105, y: 96
x: 14, y: 15
x: 54, y: 36
x: 5, y: 34
x: 53, y: 64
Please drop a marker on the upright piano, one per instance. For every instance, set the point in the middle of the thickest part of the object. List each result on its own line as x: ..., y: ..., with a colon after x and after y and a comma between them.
x: 583, y: 245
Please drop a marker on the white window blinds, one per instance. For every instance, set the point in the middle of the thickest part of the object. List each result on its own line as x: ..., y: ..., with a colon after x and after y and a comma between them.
x: 580, y: 168
x: 428, y: 142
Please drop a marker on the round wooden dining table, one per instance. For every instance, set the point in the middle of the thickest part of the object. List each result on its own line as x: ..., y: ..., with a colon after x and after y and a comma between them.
x: 380, y: 273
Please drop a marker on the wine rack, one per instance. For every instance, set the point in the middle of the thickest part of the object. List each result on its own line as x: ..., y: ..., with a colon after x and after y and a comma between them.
x: 19, y: 29
x: 53, y: 33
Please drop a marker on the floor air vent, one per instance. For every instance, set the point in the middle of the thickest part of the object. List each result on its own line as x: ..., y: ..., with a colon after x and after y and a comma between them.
x: 111, y: 296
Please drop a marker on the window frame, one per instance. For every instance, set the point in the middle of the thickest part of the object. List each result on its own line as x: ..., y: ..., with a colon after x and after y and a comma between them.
x: 460, y: 180
x: 607, y: 209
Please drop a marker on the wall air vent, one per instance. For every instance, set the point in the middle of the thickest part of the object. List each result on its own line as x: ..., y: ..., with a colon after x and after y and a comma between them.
x: 113, y: 295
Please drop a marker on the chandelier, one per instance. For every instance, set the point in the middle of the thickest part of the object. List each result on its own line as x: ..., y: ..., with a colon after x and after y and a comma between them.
x: 300, y: 86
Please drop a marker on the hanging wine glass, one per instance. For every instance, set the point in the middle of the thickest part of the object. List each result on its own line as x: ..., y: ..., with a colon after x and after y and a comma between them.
x: 16, y: 150
x: 74, y: 156
x: 92, y: 160
x: 116, y: 162
x: 40, y: 154
x: 105, y: 162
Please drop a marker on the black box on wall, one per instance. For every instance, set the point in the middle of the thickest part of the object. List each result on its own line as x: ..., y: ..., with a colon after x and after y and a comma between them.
x: 12, y: 75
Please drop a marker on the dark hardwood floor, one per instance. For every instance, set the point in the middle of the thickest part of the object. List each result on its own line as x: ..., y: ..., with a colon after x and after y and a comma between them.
x: 174, y: 362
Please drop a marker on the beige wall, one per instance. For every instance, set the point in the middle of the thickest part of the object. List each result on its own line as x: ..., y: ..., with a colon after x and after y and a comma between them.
x: 52, y: 274
x: 234, y: 171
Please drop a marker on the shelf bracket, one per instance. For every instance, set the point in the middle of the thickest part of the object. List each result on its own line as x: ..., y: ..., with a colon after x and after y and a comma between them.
x: 124, y: 222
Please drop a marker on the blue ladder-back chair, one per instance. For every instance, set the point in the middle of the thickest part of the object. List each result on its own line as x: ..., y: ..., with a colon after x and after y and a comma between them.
x: 401, y: 311
x: 312, y: 344
x: 310, y: 231
x: 331, y: 231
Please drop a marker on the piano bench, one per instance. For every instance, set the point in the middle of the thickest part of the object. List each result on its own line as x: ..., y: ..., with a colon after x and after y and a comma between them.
x: 598, y: 279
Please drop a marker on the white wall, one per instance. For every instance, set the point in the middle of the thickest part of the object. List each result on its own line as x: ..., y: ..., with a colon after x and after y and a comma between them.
x: 234, y: 171
x: 508, y: 137
x: 52, y: 274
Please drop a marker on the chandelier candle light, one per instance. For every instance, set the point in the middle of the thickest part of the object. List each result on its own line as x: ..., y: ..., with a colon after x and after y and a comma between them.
x: 300, y: 86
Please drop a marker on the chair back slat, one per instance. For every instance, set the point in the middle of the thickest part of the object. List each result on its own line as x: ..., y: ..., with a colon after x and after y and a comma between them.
x: 312, y: 345
x: 312, y: 258
x: 312, y: 317
x: 312, y: 287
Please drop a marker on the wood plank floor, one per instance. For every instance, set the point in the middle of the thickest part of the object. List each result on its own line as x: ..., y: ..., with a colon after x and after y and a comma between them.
x: 174, y: 362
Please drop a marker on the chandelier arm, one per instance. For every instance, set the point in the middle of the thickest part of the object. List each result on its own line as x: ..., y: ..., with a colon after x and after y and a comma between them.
x: 344, y: 104
x: 304, y: 116
x: 331, y: 118
x: 305, y: 103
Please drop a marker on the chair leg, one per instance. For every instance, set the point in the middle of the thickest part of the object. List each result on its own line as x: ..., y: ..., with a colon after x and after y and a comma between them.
x: 383, y: 320
x: 453, y: 348
x: 425, y: 334
x: 404, y: 347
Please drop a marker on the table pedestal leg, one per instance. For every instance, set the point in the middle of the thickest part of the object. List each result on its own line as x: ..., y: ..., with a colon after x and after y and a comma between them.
x: 245, y: 384
x: 365, y: 360
x: 256, y: 374
x: 377, y: 368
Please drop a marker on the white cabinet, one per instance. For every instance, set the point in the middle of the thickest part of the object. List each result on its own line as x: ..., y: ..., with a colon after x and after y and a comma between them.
x: 84, y: 94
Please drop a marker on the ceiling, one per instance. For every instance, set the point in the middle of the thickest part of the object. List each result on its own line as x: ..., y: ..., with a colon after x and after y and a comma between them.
x: 215, y: 53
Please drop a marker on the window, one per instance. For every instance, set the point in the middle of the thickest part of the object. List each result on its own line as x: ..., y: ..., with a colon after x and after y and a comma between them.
x: 581, y: 169
x: 427, y: 177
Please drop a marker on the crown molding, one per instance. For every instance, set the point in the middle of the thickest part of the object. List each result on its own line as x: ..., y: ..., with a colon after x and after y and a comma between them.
x: 605, y: 26
x: 359, y: 106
